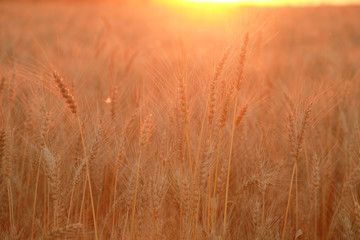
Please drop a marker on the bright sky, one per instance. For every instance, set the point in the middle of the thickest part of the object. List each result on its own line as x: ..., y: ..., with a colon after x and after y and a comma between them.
x: 278, y: 2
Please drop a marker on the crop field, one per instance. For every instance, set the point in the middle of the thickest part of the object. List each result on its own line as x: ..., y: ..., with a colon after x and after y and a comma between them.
x: 179, y: 121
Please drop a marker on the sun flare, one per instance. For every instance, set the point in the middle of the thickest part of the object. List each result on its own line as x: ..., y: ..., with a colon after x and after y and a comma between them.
x: 215, y: 1
x: 239, y: 2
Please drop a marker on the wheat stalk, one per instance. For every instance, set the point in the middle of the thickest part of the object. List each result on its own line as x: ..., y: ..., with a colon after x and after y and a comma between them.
x: 144, y: 138
x: 69, y: 98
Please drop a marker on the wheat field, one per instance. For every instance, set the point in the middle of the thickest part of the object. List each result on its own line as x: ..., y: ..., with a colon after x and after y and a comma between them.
x: 145, y: 121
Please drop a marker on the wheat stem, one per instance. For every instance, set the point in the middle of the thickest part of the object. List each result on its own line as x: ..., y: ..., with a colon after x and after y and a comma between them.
x: 11, y: 212
x: 114, y: 202
x: 83, y: 199
x: 135, y: 195
x: 22, y: 171
x: 288, y: 202
x: 35, y: 195
x: 88, y: 176
x: 216, y: 175
x: 189, y: 151
x: 229, y: 165
x: 126, y: 220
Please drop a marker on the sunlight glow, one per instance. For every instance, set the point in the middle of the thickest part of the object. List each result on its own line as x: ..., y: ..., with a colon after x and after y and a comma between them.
x: 243, y: 2
x: 273, y: 2
x: 215, y: 1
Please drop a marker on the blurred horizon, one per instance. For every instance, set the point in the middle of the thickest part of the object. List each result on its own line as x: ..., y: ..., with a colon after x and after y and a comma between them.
x: 258, y: 3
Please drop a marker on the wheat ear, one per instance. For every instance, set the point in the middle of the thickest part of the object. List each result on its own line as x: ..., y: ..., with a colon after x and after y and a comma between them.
x: 70, y: 100
x: 296, y: 147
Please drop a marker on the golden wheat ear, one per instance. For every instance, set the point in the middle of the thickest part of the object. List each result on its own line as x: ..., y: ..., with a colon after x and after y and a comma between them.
x: 2, y: 84
x: 65, y: 92
x: 2, y: 144
x: 241, y: 64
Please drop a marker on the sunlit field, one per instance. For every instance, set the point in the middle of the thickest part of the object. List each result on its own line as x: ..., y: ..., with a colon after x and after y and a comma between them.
x: 179, y: 121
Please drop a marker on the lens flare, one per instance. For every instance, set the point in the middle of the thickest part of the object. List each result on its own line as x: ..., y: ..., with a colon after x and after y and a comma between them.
x: 215, y: 1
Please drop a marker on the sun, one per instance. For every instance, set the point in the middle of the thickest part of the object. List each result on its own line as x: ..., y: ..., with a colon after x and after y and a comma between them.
x: 215, y: 1
x: 241, y: 2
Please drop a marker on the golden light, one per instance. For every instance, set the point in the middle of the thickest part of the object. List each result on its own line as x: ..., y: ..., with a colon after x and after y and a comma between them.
x: 236, y: 2
x: 267, y: 2
x: 215, y: 1
x: 209, y: 10
x: 232, y: 3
